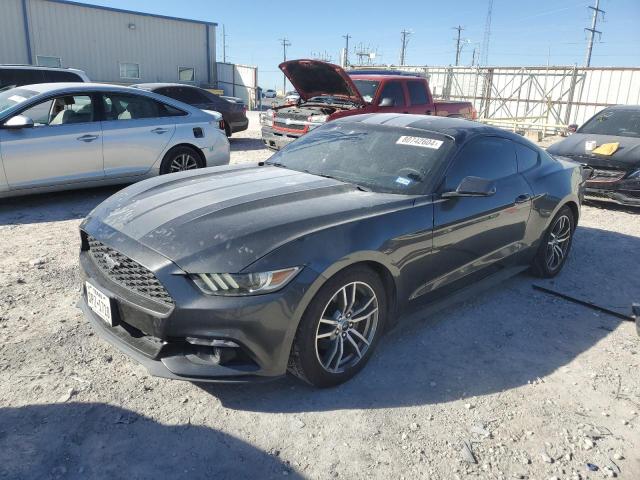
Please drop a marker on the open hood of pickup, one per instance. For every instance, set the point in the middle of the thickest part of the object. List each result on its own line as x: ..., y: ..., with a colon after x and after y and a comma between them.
x: 312, y: 78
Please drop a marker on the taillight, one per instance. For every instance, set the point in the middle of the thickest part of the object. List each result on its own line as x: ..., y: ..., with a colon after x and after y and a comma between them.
x: 221, y: 124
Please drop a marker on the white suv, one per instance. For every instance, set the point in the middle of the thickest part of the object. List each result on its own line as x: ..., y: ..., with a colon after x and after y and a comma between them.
x: 12, y: 76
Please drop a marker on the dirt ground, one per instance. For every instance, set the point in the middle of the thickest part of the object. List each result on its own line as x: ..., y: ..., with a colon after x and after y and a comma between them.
x: 512, y: 383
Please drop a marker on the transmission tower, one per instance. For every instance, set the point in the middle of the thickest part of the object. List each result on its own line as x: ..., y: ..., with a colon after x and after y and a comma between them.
x: 484, y: 51
x: 346, y: 50
x: 322, y: 56
x: 592, y: 31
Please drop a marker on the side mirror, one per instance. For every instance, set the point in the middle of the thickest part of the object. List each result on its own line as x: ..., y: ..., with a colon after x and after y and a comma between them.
x: 386, y: 102
x: 572, y: 128
x: 472, y: 187
x: 17, y: 122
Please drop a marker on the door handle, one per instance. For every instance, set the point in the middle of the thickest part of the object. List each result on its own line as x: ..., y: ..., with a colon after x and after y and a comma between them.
x: 160, y: 131
x: 523, y: 198
x: 87, y: 138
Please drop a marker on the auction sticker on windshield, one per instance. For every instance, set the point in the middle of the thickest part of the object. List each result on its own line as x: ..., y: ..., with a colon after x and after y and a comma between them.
x: 419, y: 142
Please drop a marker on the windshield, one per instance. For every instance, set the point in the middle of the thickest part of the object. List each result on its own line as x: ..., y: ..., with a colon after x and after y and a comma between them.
x: 374, y: 157
x: 14, y: 96
x: 367, y: 89
x: 625, y: 123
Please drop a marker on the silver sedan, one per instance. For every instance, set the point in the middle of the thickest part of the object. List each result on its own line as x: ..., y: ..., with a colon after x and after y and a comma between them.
x: 76, y: 135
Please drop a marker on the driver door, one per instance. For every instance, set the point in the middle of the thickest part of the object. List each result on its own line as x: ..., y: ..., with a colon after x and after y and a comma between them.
x: 64, y: 146
x: 472, y: 233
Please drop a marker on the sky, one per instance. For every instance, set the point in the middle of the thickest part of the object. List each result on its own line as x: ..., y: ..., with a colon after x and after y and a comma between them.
x: 523, y: 32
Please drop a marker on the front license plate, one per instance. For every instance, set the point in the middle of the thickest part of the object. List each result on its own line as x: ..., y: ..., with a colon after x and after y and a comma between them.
x: 99, y: 303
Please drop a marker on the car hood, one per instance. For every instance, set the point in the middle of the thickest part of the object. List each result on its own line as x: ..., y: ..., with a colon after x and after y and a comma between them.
x: 626, y: 157
x: 312, y: 78
x: 221, y: 220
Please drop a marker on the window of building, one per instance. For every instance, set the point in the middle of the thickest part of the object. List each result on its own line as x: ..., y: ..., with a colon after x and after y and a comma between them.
x: 47, y: 61
x: 130, y: 70
x: 186, y: 74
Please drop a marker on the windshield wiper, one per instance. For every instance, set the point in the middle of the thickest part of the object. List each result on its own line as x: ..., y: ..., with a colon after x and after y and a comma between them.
x: 326, y: 175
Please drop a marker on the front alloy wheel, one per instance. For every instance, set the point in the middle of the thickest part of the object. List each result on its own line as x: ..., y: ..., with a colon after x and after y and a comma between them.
x: 347, y: 327
x: 340, y: 328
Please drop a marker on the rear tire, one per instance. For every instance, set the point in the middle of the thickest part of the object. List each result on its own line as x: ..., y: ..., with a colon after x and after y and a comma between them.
x: 340, y: 328
x: 227, y: 130
x: 555, y: 245
x: 179, y: 159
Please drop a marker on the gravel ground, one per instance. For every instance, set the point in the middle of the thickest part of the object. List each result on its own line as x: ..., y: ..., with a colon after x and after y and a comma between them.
x: 509, y: 384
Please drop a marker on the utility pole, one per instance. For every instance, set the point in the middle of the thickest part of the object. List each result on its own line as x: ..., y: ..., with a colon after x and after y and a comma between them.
x: 224, y: 45
x: 458, y: 45
x: 285, y: 43
x: 484, y: 51
x: 473, y: 56
x: 346, y: 49
x: 404, y: 35
x: 592, y: 31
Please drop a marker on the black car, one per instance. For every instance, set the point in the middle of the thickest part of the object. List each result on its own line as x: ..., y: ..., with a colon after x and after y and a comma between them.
x: 234, y: 114
x: 616, y: 176
x: 302, y: 262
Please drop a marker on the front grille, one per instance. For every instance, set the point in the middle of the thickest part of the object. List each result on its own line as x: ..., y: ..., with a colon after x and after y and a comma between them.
x: 293, y: 126
x: 600, y: 175
x: 301, y: 117
x: 127, y: 273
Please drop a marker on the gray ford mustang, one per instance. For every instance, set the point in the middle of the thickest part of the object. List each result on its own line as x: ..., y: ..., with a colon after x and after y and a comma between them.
x: 302, y: 262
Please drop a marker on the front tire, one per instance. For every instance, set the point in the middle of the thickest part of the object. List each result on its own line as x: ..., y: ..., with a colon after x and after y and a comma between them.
x: 179, y: 159
x: 555, y: 245
x: 340, y: 328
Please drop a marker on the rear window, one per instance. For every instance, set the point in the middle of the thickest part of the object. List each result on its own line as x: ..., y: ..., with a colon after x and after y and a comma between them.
x: 381, y: 158
x: 624, y: 123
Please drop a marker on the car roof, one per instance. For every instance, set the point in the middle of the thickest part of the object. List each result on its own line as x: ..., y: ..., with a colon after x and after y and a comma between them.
x: 377, y: 76
x: 459, y: 129
x: 155, y: 85
x: 624, y: 107
x: 53, y: 87
x: 16, y: 66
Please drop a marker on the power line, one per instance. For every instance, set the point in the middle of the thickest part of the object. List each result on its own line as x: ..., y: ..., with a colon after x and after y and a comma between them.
x: 592, y: 31
x: 285, y: 43
x: 404, y: 35
x: 458, y: 45
x: 484, y: 51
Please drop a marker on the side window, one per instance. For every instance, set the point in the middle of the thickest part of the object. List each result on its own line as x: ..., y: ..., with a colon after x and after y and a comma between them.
x: 417, y: 93
x: 62, y: 111
x: 393, y: 90
x: 56, y: 76
x: 16, y: 77
x: 488, y: 157
x: 527, y: 157
x: 118, y: 106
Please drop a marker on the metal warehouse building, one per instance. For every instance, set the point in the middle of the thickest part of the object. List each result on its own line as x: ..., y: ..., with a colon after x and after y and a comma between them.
x: 110, y: 45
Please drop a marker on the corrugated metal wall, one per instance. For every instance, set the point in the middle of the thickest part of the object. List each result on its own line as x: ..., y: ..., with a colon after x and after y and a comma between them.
x: 96, y: 40
x: 13, y: 44
x: 238, y: 81
x: 547, y: 98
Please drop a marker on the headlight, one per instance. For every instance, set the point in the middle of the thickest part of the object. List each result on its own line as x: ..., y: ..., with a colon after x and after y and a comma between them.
x: 635, y: 174
x: 318, y: 118
x: 239, y: 284
x: 266, y: 118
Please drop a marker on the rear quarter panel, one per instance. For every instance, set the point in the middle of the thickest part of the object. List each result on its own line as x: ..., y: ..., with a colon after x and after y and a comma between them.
x: 555, y: 183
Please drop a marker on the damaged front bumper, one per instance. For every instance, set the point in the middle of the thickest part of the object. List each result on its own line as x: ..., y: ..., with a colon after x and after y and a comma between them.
x: 277, y: 139
x: 613, y: 186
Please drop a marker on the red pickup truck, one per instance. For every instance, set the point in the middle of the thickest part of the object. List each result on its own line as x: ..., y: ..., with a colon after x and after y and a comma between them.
x: 328, y: 92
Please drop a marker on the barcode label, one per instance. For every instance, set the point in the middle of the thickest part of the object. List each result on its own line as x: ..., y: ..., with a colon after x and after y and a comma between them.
x: 420, y: 142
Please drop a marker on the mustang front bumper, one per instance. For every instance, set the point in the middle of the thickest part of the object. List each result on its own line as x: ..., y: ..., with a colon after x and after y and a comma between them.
x: 236, y: 338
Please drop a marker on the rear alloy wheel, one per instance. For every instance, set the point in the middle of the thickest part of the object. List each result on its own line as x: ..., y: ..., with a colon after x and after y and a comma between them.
x: 555, y: 245
x: 340, y: 328
x: 180, y: 159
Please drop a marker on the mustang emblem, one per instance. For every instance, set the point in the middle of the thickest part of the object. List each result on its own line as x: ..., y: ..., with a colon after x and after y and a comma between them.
x: 111, y: 263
